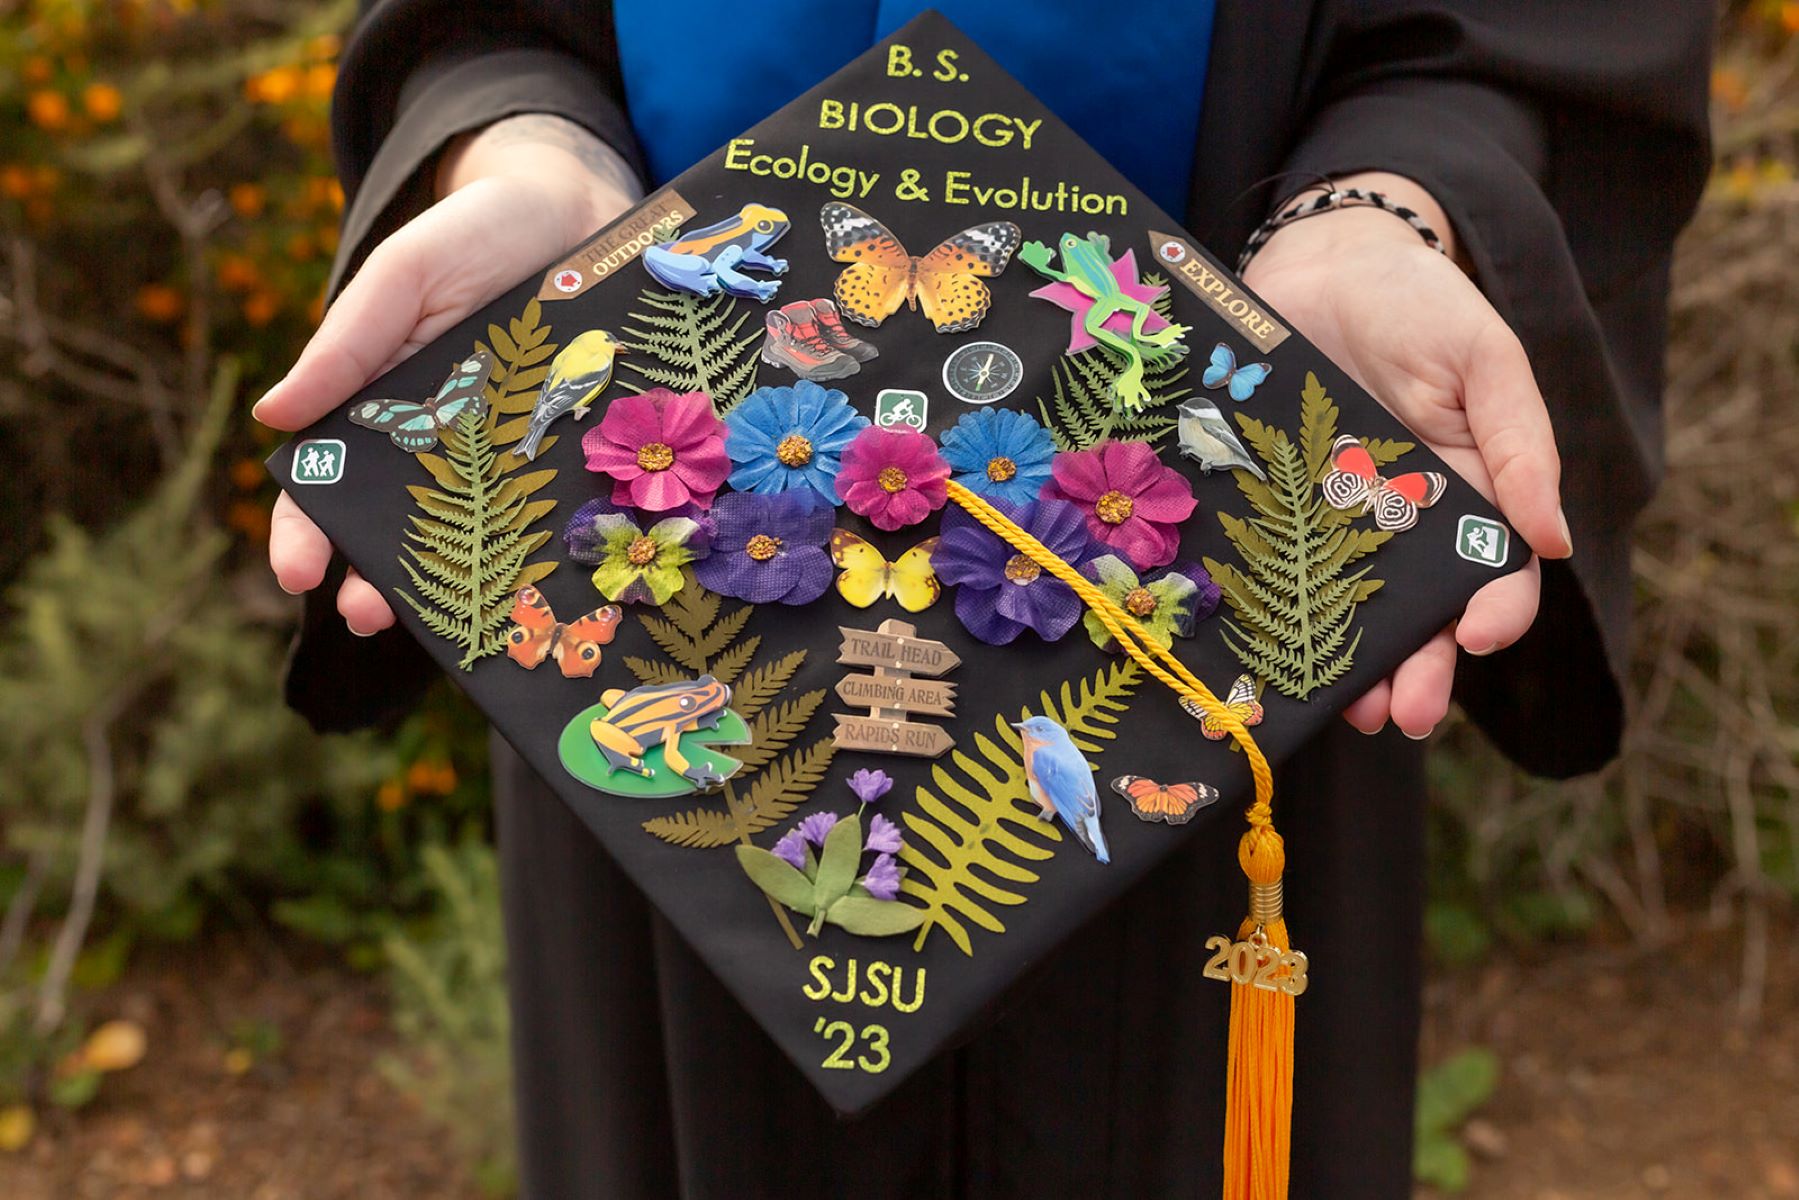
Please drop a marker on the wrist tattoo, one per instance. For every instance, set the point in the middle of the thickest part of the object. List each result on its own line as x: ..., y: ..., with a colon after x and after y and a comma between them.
x: 545, y: 129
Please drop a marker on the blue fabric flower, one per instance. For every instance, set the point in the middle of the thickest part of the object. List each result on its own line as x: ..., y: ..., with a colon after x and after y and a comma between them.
x: 790, y: 437
x: 1000, y: 454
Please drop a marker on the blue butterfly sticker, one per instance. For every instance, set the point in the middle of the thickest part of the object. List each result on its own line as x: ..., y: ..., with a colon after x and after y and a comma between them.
x: 1243, y: 381
x: 414, y: 424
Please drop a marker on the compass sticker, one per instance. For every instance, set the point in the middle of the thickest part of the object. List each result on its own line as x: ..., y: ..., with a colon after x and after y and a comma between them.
x: 982, y: 372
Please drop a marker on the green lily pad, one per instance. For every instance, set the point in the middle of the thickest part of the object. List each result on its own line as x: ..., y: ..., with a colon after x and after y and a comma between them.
x: 582, y: 759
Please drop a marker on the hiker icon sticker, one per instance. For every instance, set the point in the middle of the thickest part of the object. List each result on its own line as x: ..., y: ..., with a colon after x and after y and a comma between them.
x: 318, y: 460
x: 1482, y: 541
x: 982, y: 372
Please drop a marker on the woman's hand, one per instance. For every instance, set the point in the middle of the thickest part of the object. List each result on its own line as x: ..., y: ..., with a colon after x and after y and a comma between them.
x: 523, y: 191
x: 1408, y: 325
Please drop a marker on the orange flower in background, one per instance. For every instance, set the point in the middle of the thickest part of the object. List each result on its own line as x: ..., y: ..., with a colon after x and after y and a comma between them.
x: 301, y: 248
x: 36, y: 69
x: 238, y: 273
x: 319, y: 81
x: 260, y: 308
x: 247, y: 474
x: 315, y: 312
x: 248, y: 199
x: 391, y: 796
x: 1729, y: 89
x: 48, y: 110
x: 102, y: 102
x: 159, y: 302
x: 248, y: 518
x: 277, y: 86
x: 1789, y: 16
x: 15, y: 182
x: 324, y: 47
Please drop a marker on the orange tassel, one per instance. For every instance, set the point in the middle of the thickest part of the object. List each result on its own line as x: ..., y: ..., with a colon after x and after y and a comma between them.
x: 1258, y: 1115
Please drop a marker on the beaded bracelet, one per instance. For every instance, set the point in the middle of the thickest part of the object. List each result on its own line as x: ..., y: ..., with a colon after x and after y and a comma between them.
x: 1330, y: 201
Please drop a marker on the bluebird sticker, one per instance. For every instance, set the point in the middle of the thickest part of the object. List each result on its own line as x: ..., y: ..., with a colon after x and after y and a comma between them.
x: 1482, y: 541
x: 896, y: 407
x: 318, y: 460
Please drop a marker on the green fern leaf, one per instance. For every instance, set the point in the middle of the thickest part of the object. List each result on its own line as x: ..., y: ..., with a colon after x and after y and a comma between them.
x: 1294, y: 603
x: 694, y: 344
x: 976, y: 822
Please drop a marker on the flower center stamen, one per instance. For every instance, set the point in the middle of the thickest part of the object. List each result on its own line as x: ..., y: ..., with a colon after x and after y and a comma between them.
x: 1114, y: 508
x: 762, y: 547
x: 655, y: 456
x: 1001, y: 469
x: 795, y: 450
x: 1021, y: 570
x: 641, y: 552
x: 1140, y: 602
x: 892, y: 479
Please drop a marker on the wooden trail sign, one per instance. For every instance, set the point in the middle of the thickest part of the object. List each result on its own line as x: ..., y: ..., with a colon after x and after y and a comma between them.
x: 892, y: 690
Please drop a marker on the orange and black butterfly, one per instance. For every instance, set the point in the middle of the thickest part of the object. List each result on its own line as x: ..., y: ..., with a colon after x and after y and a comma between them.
x: 882, y: 275
x: 1173, y: 803
x: 1240, y: 701
x: 536, y: 634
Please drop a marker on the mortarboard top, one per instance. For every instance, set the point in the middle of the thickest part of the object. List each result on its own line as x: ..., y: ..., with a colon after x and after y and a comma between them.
x: 926, y: 135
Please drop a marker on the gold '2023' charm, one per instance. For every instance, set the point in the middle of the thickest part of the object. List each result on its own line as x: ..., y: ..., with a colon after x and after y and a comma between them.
x: 1256, y: 963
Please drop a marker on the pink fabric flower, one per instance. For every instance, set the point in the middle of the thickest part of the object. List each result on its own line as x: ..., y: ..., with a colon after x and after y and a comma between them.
x: 894, y: 477
x: 1133, y: 503
x: 661, y: 448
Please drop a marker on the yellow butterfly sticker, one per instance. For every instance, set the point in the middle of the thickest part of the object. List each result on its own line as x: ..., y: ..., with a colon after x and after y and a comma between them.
x: 868, y: 576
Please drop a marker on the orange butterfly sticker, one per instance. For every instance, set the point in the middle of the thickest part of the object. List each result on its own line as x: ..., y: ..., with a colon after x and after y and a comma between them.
x: 882, y: 275
x: 1173, y: 803
x: 536, y: 635
x: 1241, y: 701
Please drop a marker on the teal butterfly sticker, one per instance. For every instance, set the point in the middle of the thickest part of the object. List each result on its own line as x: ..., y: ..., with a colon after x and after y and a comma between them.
x: 414, y: 424
x: 1224, y: 372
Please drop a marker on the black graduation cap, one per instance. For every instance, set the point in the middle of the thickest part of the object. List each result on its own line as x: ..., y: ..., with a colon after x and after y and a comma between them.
x: 944, y: 238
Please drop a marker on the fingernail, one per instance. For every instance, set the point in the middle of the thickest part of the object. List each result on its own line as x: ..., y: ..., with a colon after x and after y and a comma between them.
x: 1368, y: 732
x: 1567, y: 534
x: 1419, y: 737
x: 288, y: 590
x: 1484, y: 650
x: 358, y: 633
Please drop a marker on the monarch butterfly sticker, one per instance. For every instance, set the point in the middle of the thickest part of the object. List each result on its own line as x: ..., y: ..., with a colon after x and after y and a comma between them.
x: 1170, y: 803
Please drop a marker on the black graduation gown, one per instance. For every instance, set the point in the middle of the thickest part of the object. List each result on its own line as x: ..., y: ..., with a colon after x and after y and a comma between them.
x: 1568, y: 148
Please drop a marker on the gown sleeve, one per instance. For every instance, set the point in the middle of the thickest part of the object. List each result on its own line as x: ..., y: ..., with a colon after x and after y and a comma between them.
x: 415, y: 74
x: 1568, y: 143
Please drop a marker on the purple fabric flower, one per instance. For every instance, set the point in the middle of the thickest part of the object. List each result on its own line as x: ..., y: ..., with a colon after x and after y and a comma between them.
x: 883, y: 879
x: 1132, y: 502
x: 894, y: 477
x: 999, y: 592
x: 870, y: 786
x: 883, y: 836
x: 662, y: 449
x: 791, y: 849
x: 817, y: 827
x: 769, y: 547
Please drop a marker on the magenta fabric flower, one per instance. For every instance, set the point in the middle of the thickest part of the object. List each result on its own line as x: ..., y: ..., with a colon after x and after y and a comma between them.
x: 894, y: 477
x: 662, y: 449
x: 1132, y: 501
